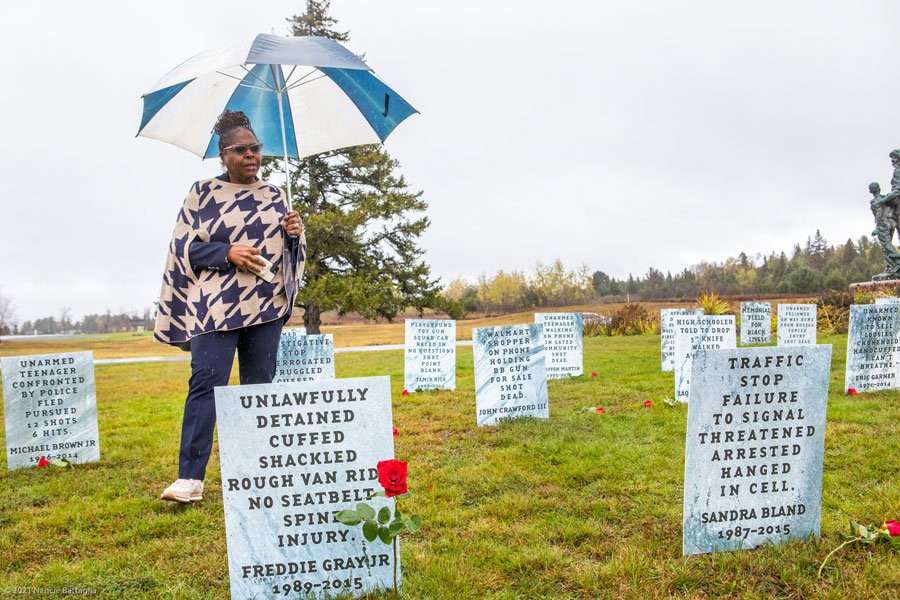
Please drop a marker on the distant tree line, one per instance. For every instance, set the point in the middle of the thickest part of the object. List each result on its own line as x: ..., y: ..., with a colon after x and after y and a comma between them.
x: 107, y: 322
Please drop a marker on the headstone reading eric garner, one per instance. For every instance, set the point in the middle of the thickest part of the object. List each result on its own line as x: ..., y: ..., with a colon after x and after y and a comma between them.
x: 667, y: 333
x: 696, y: 333
x: 756, y: 323
x: 796, y: 324
x: 510, y: 380
x: 292, y: 455
x: 873, y: 347
x: 563, y: 343
x: 304, y: 357
x: 755, y: 440
x: 50, y: 408
x: 429, y: 361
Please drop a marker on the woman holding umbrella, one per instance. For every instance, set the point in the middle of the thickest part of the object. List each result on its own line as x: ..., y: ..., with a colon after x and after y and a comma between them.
x: 234, y: 261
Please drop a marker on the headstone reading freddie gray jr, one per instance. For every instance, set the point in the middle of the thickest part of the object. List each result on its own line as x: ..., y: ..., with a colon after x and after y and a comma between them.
x: 754, y: 448
x: 429, y: 360
x: 292, y: 455
x: 695, y: 333
x: 510, y: 380
x: 563, y: 343
x: 50, y: 408
x: 304, y: 357
x: 756, y: 323
x: 887, y: 300
x: 796, y: 324
x: 873, y: 347
x: 667, y: 333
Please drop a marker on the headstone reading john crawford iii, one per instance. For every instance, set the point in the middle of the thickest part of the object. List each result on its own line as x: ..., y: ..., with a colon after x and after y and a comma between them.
x: 304, y: 357
x: 755, y: 441
x: 873, y: 347
x: 292, y: 455
x: 429, y: 360
x: 694, y: 333
x: 563, y: 343
x: 756, y: 323
x: 50, y: 408
x: 796, y: 324
x: 667, y: 333
x: 510, y: 380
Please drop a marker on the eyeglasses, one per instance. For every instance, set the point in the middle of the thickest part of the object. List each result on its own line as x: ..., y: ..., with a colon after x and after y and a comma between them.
x: 242, y: 148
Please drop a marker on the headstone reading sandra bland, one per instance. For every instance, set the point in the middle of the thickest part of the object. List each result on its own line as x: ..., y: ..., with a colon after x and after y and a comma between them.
x: 756, y: 323
x: 563, y: 343
x: 50, y: 408
x: 873, y: 347
x: 755, y: 441
x: 796, y: 324
x: 429, y: 360
x: 292, y: 455
x: 667, y: 333
x: 510, y: 381
x: 304, y: 357
x: 694, y: 333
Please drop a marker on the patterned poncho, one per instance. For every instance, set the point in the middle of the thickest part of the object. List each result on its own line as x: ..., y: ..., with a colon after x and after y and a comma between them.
x: 193, y: 303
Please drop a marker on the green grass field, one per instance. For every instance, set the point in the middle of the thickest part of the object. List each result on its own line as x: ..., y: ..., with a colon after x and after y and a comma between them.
x: 582, y: 506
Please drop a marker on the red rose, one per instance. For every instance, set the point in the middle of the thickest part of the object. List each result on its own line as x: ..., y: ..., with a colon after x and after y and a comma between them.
x: 405, y: 392
x: 593, y: 373
x: 892, y: 527
x: 42, y: 462
x: 392, y: 477
x: 396, y: 433
x: 599, y: 410
x: 648, y: 403
x: 852, y: 391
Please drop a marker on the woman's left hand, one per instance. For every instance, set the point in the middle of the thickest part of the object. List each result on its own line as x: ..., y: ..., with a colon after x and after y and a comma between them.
x: 292, y: 224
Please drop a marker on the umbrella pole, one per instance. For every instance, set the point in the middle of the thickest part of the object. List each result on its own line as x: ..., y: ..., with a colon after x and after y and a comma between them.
x: 287, y: 164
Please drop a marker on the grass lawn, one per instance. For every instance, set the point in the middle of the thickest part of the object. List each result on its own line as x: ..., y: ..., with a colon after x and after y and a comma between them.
x: 582, y: 506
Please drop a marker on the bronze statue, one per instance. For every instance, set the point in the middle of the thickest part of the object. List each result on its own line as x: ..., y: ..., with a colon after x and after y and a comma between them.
x: 886, y: 210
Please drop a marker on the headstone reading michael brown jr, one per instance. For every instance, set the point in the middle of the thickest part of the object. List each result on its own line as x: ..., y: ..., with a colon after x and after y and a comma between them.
x: 292, y: 455
x: 429, y: 359
x: 873, y: 347
x: 563, y: 344
x: 694, y: 333
x: 304, y: 357
x: 50, y: 408
x: 756, y: 323
x: 796, y: 324
x: 667, y: 333
x: 510, y: 380
x: 754, y: 447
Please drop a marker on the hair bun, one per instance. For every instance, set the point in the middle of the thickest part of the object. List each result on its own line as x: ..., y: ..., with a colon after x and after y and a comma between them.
x: 229, y: 120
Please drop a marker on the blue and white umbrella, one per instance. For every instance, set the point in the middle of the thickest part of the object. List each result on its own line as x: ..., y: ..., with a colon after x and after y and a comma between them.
x: 303, y: 95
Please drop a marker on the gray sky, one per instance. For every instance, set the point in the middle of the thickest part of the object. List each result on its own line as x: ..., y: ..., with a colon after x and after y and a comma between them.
x: 618, y: 134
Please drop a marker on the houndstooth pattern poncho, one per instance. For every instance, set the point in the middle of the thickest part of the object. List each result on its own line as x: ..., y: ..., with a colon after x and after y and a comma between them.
x: 193, y: 303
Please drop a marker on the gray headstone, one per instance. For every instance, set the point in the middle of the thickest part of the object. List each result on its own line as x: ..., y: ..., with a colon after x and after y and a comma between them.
x: 756, y: 323
x: 873, y: 347
x: 563, y: 343
x: 696, y: 333
x: 304, y: 357
x: 50, y: 408
x: 429, y: 361
x: 510, y: 380
x: 755, y: 441
x: 796, y: 324
x: 292, y: 455
x: 887, y: 300
x: 667, y: 333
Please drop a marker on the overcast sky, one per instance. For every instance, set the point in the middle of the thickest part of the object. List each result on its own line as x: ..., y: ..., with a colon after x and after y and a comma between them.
x: 621, y: 135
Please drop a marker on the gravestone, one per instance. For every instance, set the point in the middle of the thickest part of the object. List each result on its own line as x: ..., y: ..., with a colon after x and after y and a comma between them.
x: 887, y: 300
x: 796, y: 324
x: 292, y: 455
x: 510, y: 380
x: 50, y: 408
x: 304, y: 357
x: 873, y: 347
x: 756, y: 323
x: 754, y: 447
x: 694, y: 333
x: 667, y: 333
x: 563, y: 343
x: 429, y: 360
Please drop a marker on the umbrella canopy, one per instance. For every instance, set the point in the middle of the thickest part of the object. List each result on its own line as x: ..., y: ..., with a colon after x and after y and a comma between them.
x: 303, y: 95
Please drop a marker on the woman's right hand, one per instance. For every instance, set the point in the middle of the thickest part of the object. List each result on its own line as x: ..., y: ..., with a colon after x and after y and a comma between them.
x: 245, y: 257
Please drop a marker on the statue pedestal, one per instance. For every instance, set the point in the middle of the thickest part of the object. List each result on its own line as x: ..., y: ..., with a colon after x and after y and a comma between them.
x: 888, y: 287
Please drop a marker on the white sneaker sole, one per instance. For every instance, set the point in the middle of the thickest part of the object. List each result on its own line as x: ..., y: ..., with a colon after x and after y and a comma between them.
x: 181, y: 499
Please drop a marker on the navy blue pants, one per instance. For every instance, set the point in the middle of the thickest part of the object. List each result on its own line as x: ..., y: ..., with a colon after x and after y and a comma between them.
x: 212, y: 355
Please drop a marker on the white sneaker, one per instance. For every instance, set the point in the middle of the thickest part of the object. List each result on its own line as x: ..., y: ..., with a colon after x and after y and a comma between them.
x: 184, y: 491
